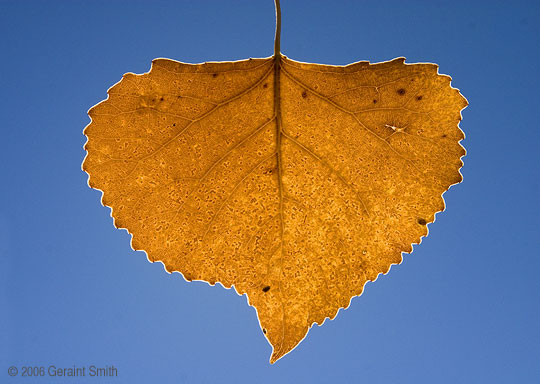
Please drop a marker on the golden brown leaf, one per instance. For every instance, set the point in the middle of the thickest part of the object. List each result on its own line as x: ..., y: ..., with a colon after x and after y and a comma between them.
x: 295, y: 183
x: 297, y: 216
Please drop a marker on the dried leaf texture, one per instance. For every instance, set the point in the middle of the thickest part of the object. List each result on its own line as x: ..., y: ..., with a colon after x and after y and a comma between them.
x: 297, y: 195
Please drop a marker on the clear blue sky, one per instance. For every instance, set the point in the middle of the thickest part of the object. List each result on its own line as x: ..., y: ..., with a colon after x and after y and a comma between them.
x: 463, y: 308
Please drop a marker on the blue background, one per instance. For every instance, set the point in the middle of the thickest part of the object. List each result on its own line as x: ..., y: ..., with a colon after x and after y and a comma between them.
x: 463, y: 308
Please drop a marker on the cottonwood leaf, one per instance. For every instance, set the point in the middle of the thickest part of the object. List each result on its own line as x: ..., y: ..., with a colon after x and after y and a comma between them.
x: 295, y: 183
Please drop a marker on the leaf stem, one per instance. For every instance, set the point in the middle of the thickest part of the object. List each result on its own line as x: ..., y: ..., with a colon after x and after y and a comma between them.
x: 277, y: 40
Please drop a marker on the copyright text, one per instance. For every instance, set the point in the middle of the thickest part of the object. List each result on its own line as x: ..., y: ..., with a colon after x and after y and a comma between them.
x: 58, y: 371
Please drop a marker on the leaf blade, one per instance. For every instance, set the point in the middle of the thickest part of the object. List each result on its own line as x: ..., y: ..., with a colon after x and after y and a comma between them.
x: 296, y: 194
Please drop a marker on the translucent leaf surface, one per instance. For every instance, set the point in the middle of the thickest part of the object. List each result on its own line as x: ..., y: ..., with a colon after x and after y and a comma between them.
x: 295, y: 183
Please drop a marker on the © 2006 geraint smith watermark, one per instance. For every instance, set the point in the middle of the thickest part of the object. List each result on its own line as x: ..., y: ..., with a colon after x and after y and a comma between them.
x: 55, y: 371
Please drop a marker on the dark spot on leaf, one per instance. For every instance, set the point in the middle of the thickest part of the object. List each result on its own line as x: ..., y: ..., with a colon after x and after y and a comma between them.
x: 266, y: 289
x: 401, y: 91
x: 265, y: 85
x: 161, y: 98
x: 174, y: 124
x: 264, y: 331
x: 179, y: 96
x: 422, y: 221
x: 214, y: 75
x: 304, y: 94
x: 419, y: 97
x: 374, y: 101
x: 444, y: 135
